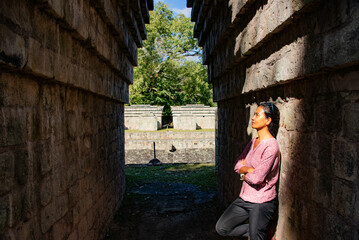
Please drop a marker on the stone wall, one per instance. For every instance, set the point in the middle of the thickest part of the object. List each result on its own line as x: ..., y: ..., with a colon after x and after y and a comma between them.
x: 193, y: 116
x: 302, y: 55
x: 65, y: 67
x: 143, y: 117
x: 186, y: 147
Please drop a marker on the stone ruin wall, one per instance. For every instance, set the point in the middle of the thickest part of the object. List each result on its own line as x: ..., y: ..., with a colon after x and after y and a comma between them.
x: 143, y: 117
x: 193, y: 117
x: 190, y: 147
x: 302, y: 55
x: 65, y: 67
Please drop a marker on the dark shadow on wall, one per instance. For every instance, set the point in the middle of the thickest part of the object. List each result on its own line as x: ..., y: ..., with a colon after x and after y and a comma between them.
x: 232, y: 139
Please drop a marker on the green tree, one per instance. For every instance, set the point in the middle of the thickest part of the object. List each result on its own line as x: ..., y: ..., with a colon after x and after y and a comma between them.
x: 164, y: 75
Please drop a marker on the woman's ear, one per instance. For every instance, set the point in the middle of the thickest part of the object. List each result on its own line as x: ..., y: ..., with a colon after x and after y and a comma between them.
x: 268, y: 121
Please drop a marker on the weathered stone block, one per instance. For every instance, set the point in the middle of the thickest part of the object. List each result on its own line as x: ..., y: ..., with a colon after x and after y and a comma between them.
x: 343, y: 198
x: 61, y: 68
x: 62, y: 229
x: 74, y: 195
x: 356, y: 208
x: 40, y: 59
x: 34, y: 126
x: 46, y: 124
x: 350, y: 123
x: 7, y: 172
x: 337, y: 228
x: 30, y: 200
x: 4, y: 212
x: 2, y: 131
x: 29, y: 96
x: 76, y: 15
x: 58, y: 180
x: 323, y: 148
x: 12, y: 48
x: 15, y: 123
x: 55, y: 7
x: 77, y: 213
x: 48, y: 98
x: 53, y: 212
x: 283, y: 65
x: 71, y: 122
x: 41, y: 157
x: 345, y: 160
x: 322, y: 122
x: 71, y: 174
x: 21, y: 166
x: 237, y: 7
x: 24, y: 231
x: 16, y: 208
x: 66, y: 43
x: 71, y: 100
x: 339, y: 47
x: 73, y: 235
x: 272, y: 16
x: 322, y: 190
x: 289, y: 115
x: 82, y: 229
x: 46, y: 191
x: 9, y: 93
x: 345, y: 82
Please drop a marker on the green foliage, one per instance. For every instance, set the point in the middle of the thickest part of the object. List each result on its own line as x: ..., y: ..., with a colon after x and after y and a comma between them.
x: 164, y: 75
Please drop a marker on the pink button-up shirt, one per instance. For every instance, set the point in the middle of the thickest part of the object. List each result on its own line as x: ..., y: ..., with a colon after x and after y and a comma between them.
x: 260, y: 185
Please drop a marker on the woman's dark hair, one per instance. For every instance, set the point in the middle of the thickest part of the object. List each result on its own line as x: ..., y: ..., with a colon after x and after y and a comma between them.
x: 271, y: 111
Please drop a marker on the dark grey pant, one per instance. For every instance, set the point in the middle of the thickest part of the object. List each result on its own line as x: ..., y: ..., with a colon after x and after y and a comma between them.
x: 233, y: 221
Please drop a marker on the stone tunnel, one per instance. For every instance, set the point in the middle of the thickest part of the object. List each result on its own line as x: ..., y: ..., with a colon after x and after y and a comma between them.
x: 65, y: 67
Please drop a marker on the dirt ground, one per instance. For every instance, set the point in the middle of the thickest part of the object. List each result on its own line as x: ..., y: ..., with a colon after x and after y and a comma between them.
x: 165, y: 210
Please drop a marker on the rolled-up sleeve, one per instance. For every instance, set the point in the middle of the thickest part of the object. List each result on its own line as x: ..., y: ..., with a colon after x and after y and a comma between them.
x: 261, y: 171
x: 243, y: 155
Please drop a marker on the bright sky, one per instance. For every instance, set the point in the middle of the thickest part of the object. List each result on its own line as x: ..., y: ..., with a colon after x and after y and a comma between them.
x: 177, y: 6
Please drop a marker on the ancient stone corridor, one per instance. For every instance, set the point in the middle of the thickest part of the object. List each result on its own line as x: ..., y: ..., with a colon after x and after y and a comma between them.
x: 65, y: 71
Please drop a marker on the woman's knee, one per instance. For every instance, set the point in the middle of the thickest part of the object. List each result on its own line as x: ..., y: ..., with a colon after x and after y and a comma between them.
x: 221, y: 229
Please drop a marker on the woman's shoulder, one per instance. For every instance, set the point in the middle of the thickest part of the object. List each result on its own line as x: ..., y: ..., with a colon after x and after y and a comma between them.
x: 271, y: 143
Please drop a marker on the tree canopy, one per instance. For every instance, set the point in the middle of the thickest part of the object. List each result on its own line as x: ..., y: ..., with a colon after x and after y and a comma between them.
x: 165, y: 76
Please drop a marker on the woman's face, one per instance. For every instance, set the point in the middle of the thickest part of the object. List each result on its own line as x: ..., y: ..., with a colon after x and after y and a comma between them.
x: 259, y: 119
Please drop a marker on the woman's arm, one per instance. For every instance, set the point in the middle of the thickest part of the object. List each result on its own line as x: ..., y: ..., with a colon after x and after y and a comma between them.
x: 245, y: 169
x: 241, y: 158
x: 261, y: 171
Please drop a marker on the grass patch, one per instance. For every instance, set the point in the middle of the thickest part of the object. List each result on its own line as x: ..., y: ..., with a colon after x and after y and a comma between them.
x: 202, y: 175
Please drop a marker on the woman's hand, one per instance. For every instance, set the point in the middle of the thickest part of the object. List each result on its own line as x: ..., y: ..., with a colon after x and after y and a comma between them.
x: 249, y: 170
x: 245, y: 170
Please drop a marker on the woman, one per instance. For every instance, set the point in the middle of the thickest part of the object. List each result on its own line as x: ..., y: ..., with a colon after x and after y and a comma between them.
x: 258, y: 167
